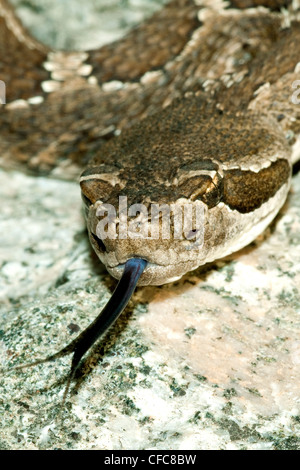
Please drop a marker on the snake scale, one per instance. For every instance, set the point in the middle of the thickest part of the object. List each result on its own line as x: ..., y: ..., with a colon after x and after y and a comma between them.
x: 194, y: 106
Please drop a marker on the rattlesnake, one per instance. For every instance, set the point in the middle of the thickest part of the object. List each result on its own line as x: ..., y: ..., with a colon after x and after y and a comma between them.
x: 201, y: 95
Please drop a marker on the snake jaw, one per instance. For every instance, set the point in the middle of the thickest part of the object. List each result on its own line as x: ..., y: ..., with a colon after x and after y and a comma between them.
x: 225, y: 230
x: 153, y: 274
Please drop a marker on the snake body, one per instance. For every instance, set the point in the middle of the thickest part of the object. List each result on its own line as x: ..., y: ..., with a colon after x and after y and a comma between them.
x: 201, y: 95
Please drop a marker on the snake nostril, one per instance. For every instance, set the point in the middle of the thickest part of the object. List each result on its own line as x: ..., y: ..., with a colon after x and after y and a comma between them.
x: 100, y: 245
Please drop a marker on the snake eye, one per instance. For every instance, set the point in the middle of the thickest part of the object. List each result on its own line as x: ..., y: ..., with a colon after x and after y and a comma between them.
x: 98, y: 243
x: 204, y: 188
x: 86, y: 200
x: 98, y: 182
x: 200, y: 180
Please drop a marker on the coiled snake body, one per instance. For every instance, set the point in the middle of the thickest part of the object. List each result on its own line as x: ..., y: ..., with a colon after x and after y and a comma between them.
x: 202, y: 97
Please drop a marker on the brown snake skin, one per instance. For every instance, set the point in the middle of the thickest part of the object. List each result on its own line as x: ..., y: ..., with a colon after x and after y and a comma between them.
x: 250, y: 48
x: 232, y: 64
x: 203, y: 84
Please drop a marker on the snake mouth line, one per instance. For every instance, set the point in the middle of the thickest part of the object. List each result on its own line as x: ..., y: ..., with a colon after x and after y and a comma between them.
x: 150, y: 264
x: 120, y: 267
x: 153, y: 273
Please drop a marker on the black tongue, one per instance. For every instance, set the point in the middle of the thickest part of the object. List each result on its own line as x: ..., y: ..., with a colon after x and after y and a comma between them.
x: 134, y: 267
x: 112, y: 310
x: 133, y: 270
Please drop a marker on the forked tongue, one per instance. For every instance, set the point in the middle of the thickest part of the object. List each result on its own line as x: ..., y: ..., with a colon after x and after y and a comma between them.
x: 133, y: 270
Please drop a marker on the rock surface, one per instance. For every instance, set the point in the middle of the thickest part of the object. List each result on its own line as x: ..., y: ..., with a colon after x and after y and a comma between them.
x: 209, y: 362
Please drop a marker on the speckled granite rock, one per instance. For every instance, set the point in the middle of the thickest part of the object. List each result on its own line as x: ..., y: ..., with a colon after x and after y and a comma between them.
x: 78, y: 25
x: 209, y: 362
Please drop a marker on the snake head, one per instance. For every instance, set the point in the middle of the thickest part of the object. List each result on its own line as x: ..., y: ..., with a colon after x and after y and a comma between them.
x: 183, y: 188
